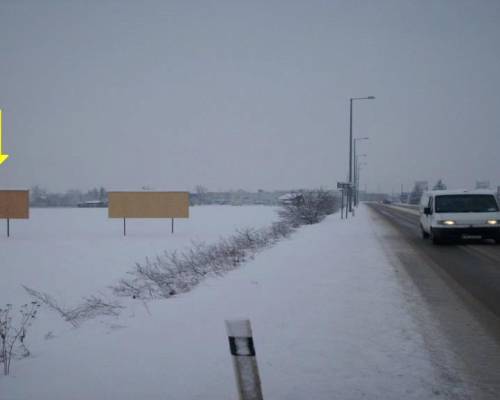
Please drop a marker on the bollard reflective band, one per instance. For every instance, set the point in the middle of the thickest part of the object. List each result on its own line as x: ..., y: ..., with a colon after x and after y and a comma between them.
x: 241, y: 346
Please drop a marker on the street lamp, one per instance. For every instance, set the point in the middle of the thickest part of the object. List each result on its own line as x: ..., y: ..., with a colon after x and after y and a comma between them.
x: 357, y: 168
x: 355, y: 172
x: 359, y: 174
x: 351, y: 146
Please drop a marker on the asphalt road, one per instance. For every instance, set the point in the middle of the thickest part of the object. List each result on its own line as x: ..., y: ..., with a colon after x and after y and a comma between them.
x: 475, y: 266
x: 453, y: 294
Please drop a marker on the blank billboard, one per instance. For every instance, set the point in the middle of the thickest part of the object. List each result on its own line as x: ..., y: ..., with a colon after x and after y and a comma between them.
x: 14, y: 204
x: 148, y: 204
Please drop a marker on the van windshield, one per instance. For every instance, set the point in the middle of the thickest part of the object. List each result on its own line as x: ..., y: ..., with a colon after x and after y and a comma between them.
x: 466, y: 203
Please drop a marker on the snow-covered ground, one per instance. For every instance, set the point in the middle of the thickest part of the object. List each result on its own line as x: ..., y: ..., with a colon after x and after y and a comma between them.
x: 328, y: 314
x: 73, y: 252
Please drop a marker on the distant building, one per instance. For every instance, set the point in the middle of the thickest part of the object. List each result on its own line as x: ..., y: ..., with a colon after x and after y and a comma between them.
x: 482, y: 184
x: 290, y: 198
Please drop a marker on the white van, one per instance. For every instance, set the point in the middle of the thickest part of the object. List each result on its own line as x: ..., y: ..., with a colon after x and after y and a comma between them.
x: 459, y: 215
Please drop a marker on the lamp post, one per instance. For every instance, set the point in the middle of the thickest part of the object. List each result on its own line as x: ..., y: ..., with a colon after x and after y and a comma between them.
x: 356, y: 175
x: 355, y: 165
x: 351, y: 146
x: 357, y: 184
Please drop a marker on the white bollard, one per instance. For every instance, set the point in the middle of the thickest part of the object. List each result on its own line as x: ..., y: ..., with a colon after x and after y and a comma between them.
x: 242, y: 349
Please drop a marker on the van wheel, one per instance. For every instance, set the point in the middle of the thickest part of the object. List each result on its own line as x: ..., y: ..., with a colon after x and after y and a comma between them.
x: 436, y: 239
x: 425, y: 235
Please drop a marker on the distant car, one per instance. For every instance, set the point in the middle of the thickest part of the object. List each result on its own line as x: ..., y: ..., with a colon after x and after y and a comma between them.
x: 447, y: 215
x: 386, y: 201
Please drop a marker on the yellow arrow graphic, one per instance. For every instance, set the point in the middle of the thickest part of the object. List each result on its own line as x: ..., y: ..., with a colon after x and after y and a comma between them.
x: 3, y: 157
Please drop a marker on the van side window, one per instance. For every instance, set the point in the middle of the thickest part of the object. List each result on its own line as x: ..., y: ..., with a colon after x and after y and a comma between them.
x: 430, y: 204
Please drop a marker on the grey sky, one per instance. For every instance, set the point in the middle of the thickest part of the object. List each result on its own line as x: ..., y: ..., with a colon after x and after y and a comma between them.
x: 250, y: 94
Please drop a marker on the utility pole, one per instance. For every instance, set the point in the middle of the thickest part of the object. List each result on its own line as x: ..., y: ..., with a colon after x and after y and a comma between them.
x: 355, y: 172
x: 350, y: 190
x: 358, y: 173
x: 356, y: 180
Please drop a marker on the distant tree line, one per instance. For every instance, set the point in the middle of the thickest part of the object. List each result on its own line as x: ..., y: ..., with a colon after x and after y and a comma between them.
x: 40, y: 197
x: 420, y: 187
x: 202, y: 196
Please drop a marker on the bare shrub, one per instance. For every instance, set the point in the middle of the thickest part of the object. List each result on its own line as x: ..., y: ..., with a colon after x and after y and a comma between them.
x: 308, y: 207
x: 176, y: 272
x: 280, y: 230
x: 13, y: 332
x: 49, y: 301
x: 91, y: 307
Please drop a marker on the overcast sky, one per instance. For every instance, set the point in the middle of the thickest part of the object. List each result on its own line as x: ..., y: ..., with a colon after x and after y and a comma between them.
x: 248, y: 94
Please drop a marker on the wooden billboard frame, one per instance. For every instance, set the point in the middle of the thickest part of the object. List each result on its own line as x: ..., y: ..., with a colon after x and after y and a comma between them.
x: 14, y: 204
x: 125, y: 204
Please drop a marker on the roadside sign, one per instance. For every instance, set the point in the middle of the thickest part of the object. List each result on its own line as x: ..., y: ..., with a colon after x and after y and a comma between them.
x: 343, y: 185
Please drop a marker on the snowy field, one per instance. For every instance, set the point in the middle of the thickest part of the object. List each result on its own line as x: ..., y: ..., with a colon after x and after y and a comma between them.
x: 328, y: 322
x: 73, y: 252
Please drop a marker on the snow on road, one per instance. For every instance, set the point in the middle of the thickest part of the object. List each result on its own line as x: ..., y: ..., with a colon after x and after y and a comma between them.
x: 328, y: 315
x: 406, y: 209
